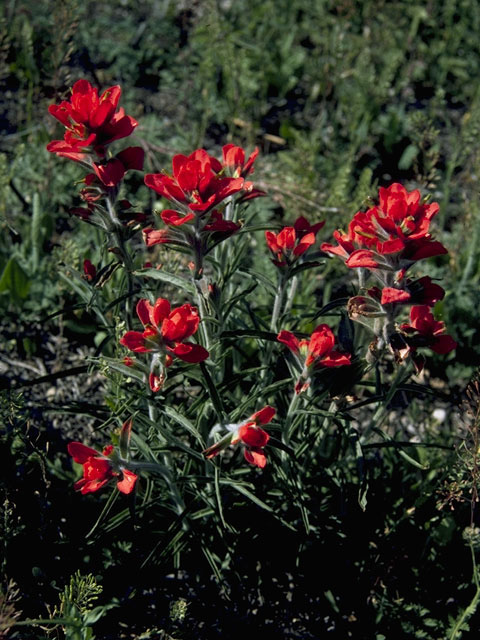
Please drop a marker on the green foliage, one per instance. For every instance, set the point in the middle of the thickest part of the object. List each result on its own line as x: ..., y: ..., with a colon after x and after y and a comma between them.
x: 75, y: 614
x: 340, y: 98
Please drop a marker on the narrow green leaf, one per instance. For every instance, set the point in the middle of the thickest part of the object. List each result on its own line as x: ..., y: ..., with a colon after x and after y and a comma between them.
x: 35, y: 231
x: 215, y: 398
x: 402, y: 453
x: 331, y: 598
x: 129, y: 372
x: 218, y: 496
x: 94, y: 615
x: 171, y: 413
x: 212, y: 562
x: 340, y: 302
x: 248, y: 494
x: 256, y: 276
x: 170, y: 278
x: 105, y: 511
x: 360, y: 458
x: 248, y: 333
x: 304, y: 266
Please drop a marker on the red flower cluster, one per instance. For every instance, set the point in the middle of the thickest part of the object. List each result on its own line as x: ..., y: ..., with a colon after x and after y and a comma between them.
x: 93, y: 122
x: 165, y: 333
x: 318, y: 351
x: 392, y: 235
x: 197, y: 183
x: 198, y: 186
x: 292, y: 242
x: 387, y: 239
x: 99, y: 468
x: 425, y: 331
x: 249, y: 434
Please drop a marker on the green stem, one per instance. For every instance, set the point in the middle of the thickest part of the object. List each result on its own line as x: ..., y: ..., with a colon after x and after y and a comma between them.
x: 288, y: 430
x: 472, y: 607
x: 291, y: 294
x: 166, y: 460
x: 202, y: 307
x: 382, y: 409
x: 230, y: 211
x: 278, y: 303
x: 112, y: 213
x: 116, y: 234
x: 326, y: 421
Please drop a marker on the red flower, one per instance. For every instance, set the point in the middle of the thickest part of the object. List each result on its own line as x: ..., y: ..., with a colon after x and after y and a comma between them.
x: 344, y: 248
x: 424, y: 291
x: 425, y: 331
x: 234, y: 159
x: 398, y: 218
x: 292, y: 242
x: 234, y: 164
x: 318, y: 350
x: 194, y: 185
x: 89, y: 270
x: 254, y: 438
x: 248, y: 433
x: 111, y: 172
x: 91, y: 120
x: 165, y: 333
x: 392, y: 235
x: 82, y: 212
x: 175, y: 218
x: 99, y: 468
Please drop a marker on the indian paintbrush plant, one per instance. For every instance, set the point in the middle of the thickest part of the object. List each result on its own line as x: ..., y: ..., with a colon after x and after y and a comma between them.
x: 191, y: 351
x: 210, y: 223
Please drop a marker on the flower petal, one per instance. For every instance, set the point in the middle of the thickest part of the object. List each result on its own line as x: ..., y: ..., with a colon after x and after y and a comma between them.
x: 391, y: 295
x: 135, y: 341
x: 190, y: 352
x: 264, y: 416
x: 132, y: 158
x: 155, y: 382
x: 81, y: 453
x: 287, y: 337
x: 335, y: 359
x: 361, y: 258
x: 253, y: 436
x: 256, y: 457
x: 161, y: 310
x: 444, y: 344
x: 127, y: 484
x: 175, y: 218
x: 144, y: 309
x: 89, y: 486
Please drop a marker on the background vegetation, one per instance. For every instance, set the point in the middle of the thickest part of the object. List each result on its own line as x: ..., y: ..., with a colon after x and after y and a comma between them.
x: 341, y: 97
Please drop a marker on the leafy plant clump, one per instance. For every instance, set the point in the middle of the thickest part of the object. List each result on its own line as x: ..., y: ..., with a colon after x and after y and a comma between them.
x: 238, y: 319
